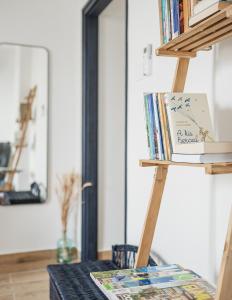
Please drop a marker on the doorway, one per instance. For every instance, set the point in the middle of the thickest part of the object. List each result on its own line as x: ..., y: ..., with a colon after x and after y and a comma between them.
x: 104, y: 125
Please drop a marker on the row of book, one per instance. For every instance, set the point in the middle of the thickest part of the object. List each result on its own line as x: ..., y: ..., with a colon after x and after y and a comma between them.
x: 154, y: 283
x: 176, y: 16
x: 179, y: 128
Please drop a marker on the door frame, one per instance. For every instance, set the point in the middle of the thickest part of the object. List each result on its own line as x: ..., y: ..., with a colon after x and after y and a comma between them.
x: 89, y: 231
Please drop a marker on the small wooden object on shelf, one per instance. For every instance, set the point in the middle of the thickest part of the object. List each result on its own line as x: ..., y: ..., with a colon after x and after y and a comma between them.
x: 209, y: 32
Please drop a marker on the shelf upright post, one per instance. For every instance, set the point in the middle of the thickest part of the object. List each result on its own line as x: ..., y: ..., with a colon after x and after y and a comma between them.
x: 159, y: 181
x: 224, y: 287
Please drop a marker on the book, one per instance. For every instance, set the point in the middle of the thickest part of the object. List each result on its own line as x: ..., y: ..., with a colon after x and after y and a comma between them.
x: 204, y: 4
x: 206, y: 13
x: 204, y: 148
x: 175, y: 18
x: 181, y: 15
x: 188, y: 117
x: 152, y: 283
x: 158, y: 129
x: 164, y: 125
x: 147, y: 125
x: 202, y: 158
x: 186, y: 10
x: 198, y: 290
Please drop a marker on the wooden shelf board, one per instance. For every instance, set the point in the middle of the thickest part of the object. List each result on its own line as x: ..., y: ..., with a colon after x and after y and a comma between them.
x: 210, y: 168
x: 200, y: 37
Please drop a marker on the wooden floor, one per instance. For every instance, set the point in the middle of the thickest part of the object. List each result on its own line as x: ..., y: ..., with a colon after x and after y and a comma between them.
x: 24, y: 276
x: 26, y: 285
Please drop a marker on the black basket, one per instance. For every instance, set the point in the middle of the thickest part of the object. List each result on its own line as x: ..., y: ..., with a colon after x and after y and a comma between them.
x: 124, y: 256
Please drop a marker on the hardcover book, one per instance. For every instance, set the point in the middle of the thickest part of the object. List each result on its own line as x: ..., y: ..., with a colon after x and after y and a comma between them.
x: 203, y: 148
x: 189, y: 120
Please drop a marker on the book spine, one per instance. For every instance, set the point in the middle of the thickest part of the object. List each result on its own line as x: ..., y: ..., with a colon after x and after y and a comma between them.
x: 165, y: 127
x: 161, y: 22
x: 168, y: 128
x: 186, y: 10
x: 150, y: 130
x: 169, y: 121
x: 175, y: 18
x: 181, y: 16
x: 153, y: 127
x: 169, y: 22
x: 163, y: 6
x: 162, y: 127
x: 147, y: 124
x: 158, y: 128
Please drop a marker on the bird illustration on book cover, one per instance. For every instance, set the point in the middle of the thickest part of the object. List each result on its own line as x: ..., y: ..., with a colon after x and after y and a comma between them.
x: 189, y: 118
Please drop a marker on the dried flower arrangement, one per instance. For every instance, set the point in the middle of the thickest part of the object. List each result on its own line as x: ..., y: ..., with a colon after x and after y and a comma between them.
x: 68, y: 190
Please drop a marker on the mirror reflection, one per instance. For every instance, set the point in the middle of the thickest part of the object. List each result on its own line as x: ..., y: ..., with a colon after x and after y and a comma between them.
x: 23, y: 124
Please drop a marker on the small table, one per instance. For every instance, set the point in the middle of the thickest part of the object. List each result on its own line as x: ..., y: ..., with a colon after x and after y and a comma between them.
x: 73, y: 282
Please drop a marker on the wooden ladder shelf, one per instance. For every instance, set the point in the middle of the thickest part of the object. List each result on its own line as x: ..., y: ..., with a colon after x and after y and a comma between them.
x: 207, y: 33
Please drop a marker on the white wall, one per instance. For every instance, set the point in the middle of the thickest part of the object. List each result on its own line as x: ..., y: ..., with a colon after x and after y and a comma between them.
x: 56, y: 25
x: 111, y: 125
x: 195, y: 208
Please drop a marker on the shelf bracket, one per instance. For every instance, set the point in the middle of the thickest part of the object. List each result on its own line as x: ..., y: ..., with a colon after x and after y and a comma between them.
x: 152, y: 217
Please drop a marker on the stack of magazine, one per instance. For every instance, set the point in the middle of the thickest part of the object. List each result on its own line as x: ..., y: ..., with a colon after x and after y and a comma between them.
x: 179, y: 129
x: 167, y: 282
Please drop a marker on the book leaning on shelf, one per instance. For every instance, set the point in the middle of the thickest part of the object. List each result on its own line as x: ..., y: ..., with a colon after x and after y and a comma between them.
x: 154, y: 283
x: 202, y: 9
x: 179, y: 128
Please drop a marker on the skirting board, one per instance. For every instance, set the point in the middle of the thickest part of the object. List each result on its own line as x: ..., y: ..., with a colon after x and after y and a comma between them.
x: 19, y: 262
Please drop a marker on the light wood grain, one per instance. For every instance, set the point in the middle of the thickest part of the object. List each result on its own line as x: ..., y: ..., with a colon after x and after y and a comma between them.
x: 180, y: 75
x: 192, y: 33
x: 205, y: 34
x: 30, y: 276
x: 18, y: 262
x: 224, y: 289
x: 172, y: 53
x: 4, y: 279
x: 152, y: 216
x: 11, y: 297
x: 211, y: 169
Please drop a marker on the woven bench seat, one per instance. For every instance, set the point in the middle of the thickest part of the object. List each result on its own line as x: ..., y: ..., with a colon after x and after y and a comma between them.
x: 73, y: 282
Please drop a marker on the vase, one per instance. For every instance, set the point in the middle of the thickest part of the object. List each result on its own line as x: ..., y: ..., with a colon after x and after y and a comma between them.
x: 65, y: 249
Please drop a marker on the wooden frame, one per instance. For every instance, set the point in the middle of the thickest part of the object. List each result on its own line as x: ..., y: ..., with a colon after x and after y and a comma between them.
x: 224, y: 288
x: 90, y: 15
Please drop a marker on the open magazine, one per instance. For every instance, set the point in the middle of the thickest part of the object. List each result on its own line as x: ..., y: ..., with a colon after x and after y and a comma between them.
x: 167, y: 282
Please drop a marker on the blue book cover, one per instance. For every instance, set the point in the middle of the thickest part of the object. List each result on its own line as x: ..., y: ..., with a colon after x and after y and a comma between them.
x: 150, y: 128
x: 153, y: 126
x: 147, y: 124
x: 175, y: 18
x: 158, y: 128
x: 164, y: 24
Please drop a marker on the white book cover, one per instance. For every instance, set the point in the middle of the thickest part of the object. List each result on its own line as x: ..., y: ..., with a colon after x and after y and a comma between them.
x: 202, y: 158
x: 203, y: 148
x: 188, y: 117
x: 204, y: 4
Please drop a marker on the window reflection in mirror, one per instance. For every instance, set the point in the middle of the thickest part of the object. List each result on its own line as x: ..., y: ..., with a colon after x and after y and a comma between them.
x: 23, y: 124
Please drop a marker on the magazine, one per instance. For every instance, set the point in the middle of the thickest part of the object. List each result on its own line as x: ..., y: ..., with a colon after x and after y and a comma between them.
x: 160, y: 282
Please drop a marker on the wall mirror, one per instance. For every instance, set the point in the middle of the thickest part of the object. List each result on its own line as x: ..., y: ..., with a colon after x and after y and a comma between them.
x: 23, y: 124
